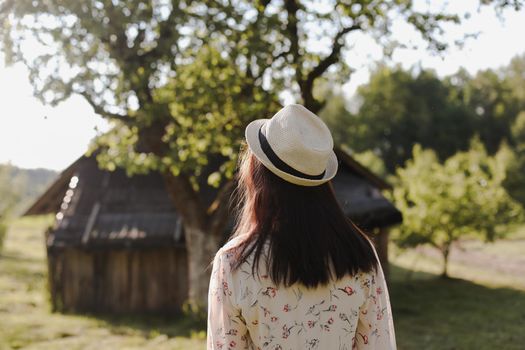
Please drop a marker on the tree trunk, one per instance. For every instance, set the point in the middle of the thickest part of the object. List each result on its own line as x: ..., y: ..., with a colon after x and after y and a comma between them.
x: 201, y: 247
x: 445, y: 251
x: 203, y: 231
x: 203, y: 225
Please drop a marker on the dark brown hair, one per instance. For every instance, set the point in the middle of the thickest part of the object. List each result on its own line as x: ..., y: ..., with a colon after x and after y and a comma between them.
x: 311, y: 241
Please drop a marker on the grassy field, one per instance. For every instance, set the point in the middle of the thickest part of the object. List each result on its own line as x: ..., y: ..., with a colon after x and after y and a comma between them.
x: 27, y: 323
x: 482, y: 307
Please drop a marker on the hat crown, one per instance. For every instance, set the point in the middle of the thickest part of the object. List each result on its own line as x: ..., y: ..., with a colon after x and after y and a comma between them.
x: 300, y: 139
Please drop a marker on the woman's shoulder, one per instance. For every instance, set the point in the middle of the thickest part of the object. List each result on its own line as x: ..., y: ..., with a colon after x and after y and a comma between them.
x: 231, y: 246
x: 229, y: 249
x: 233, y: 243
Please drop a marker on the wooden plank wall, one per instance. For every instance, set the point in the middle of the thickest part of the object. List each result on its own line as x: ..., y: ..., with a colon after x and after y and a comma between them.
x: 130, y: 281
x: 118, y: 281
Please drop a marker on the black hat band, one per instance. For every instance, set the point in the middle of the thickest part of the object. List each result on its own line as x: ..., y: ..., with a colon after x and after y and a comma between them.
x: 280, y: 164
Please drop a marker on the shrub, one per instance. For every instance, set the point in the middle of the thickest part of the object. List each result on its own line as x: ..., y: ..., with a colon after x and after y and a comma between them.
x: 3, y: 233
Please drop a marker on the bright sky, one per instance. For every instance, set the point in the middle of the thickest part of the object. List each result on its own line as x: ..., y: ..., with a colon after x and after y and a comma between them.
x: 33, y: 135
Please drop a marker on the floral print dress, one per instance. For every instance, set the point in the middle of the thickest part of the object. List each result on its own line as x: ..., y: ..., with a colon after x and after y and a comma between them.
x: 246, y: 312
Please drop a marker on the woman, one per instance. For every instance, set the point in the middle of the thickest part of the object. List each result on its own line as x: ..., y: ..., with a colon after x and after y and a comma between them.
x: 297, y: 274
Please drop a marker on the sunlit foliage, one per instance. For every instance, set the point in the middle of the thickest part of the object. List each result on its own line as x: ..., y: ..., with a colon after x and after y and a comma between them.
x: 463, y: 196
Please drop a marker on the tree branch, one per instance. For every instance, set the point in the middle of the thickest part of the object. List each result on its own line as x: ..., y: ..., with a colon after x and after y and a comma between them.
x: 219, y: 209
x: 264, y: 3
x: 293, y: 34
x: 101, y: 111
x: 166, y: 29
x: 333, y: 57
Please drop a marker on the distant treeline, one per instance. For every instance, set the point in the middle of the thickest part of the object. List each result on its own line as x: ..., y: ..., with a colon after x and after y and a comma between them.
x: 400, y: 108
x: 19, y: 187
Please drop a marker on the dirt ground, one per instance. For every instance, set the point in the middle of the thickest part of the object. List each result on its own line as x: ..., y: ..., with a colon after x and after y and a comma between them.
x: 503, y: 258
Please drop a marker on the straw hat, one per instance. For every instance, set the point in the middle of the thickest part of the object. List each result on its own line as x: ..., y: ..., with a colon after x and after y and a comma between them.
x: 295, y: 145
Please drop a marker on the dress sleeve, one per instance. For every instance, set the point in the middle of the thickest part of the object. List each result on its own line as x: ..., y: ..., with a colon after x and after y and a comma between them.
x: 226, y: 326
x: 375, y: 328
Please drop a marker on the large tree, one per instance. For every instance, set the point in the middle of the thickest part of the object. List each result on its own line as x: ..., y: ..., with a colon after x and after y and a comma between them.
x: 515, y: 160
x: 180, y: 79
x: 492, y: 103
x: 514, y: 75
x: 401, y: 108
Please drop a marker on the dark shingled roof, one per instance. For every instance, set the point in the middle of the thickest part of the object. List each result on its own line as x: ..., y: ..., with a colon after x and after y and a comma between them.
x: 101, y: 208
x: 98, y: 208
x: 364, y: 202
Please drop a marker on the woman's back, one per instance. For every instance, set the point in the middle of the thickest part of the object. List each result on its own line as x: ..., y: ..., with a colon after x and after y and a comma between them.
x: 298, y: 274
x: 350, y: 313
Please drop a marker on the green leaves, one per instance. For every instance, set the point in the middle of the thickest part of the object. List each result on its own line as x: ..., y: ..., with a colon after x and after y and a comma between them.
x: 184, y: 77
x: 211, y: 101
x: 462, y: 196
x: 10, y: 188
x: 514, y: 158
x: 206, y: 107
x: 399, y: 108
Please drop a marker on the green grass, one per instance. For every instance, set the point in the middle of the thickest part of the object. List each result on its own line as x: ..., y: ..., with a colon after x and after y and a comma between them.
x: 481, y: 307
x: 435, y: 313
x: 26, y: 321
x: 501, y: 263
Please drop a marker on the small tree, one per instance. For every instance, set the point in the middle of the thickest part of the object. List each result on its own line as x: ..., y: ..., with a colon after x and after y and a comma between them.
x: 8, y: 199
x: 442, y: 202
x: 3, y: 232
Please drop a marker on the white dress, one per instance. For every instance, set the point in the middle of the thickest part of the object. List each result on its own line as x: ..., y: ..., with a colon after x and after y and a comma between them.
x: 245, y: 312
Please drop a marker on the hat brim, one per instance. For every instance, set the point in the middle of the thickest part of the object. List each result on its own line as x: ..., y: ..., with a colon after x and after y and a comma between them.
x: 252, y: 138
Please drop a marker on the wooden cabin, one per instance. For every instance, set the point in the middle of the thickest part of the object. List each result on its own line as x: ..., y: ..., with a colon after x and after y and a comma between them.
x: 117, y: 244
